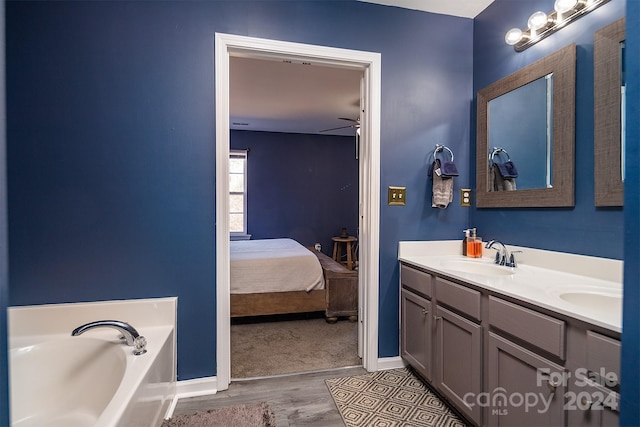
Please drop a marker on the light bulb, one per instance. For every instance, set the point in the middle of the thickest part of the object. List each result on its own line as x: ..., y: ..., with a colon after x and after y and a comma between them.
x: 538, y: 20
x: 564, y: 6
x: 513, y: 36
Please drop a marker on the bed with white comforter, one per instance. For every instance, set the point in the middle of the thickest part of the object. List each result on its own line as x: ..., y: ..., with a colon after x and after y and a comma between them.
x: 272, y: 276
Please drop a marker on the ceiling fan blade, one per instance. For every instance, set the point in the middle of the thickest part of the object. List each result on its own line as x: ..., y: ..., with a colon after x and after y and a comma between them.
x: 349, y: 120
x: 341, y: 127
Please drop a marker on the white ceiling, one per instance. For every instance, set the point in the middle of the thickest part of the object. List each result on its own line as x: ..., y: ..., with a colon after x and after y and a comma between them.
x: 463, y: 8
x: 276, y: 96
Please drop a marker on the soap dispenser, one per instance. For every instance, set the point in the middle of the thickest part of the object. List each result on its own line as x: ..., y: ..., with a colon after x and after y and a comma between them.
x: 474, y: 245
x: 465, y: 241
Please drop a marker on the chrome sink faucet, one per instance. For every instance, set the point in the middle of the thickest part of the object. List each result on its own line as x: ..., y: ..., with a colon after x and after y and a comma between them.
x: 503, y: 257
x: 502, y: 254
x: 129, y: 333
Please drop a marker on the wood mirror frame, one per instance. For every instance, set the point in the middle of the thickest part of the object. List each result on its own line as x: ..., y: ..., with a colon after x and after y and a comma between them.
x: 609, y: 187
x: 563, y: 66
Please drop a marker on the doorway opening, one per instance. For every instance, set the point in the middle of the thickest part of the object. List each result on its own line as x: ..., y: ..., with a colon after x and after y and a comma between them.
x: 369, y: 174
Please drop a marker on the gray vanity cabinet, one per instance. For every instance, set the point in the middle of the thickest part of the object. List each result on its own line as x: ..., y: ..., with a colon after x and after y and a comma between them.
x: 416, y: 320
x: 416, y: 332
x: 504, y: 362
x: 525, y: 388
x: 458, y: 367
x: 591, y: 405
x: 521, y: 345
x: 593, y: 400
x: 458, y: 347
x: 441, y: 336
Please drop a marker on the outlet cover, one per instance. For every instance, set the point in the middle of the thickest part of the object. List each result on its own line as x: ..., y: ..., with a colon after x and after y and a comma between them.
x: 465, y: 197
x: 397, y: 196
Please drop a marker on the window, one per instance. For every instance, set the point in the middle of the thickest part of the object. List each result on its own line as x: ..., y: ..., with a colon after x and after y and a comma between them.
x: 238, y: 194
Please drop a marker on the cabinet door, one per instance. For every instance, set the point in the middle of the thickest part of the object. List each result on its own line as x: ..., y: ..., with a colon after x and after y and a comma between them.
x: 591, y: 405
x: 458, y: 372
x: 524, y: 389
x: 415, y: 334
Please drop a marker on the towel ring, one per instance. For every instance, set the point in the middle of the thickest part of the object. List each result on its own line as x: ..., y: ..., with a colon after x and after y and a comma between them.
x: 439, y: 148
x: 498, y: 150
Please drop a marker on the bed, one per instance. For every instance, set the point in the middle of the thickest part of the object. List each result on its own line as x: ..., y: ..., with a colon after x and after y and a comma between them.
x: 275, y: 276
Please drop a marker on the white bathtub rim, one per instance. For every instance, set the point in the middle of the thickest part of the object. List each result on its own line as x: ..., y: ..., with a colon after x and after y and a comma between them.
x: 47, y: 409
x: 28, y: 325
x: 50, y: 319
x: 156, y: 336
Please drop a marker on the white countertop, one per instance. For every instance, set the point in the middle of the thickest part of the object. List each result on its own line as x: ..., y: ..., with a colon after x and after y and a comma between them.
x: 540, y: 278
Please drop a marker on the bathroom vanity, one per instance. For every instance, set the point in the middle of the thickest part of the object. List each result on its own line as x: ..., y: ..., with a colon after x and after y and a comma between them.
x: 534, y: 345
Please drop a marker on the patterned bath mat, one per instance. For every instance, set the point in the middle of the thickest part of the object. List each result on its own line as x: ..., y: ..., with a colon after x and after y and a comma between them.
x: 389, y: 398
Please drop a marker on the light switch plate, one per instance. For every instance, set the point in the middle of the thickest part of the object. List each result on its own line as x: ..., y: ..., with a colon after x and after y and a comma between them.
x: 397, y: 196
x: 465, y: 197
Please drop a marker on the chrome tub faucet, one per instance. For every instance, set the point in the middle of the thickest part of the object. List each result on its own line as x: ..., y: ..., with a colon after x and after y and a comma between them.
x: 129, y: 333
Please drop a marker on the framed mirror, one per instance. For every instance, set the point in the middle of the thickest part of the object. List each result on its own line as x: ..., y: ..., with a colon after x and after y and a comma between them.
x: 551, y: 134
x: 608, y: 117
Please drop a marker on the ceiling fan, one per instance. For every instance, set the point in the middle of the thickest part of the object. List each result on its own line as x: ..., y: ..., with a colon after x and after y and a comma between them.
x: 356, y: 124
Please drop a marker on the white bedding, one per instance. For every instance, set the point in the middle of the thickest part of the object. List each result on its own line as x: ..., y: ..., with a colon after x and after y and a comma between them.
x: 273, y: 265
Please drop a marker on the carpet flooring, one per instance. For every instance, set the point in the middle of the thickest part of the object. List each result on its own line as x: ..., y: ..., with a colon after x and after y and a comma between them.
x: 283, y: 345
x: 249, y: 415
x: 389, y: 398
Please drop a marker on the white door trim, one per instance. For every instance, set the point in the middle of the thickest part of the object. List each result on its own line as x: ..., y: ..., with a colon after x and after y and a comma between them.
x: 227, y: 45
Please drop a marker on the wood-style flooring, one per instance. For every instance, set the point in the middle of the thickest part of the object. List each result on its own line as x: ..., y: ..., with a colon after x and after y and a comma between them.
x: 297, y: 400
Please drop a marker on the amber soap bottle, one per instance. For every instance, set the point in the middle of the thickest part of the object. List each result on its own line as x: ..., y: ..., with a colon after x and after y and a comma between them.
x: 465, y: 241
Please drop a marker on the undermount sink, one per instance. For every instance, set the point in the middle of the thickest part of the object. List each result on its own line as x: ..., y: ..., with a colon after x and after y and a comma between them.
x: 593, y: 300
x: 477, y: 267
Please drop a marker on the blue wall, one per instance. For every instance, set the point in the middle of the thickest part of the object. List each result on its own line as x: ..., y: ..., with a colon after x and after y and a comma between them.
x: 630, y: 399
x: 300, y: 186
x: 4, y: 283
x: 111, y: 149
x: 111, y: 137
x: 583, y: 229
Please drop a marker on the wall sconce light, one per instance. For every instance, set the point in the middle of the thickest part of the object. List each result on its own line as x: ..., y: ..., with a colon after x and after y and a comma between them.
x: 541, y: 25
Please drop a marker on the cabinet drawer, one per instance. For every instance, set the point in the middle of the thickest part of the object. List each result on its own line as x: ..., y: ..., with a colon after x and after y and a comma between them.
x: 416, y: 280
x: 464, y: 300
x: 535, y: 328
x: 603, y: 357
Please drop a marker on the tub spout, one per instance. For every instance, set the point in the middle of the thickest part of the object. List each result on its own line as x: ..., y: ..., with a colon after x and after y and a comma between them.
x: 129, y: 333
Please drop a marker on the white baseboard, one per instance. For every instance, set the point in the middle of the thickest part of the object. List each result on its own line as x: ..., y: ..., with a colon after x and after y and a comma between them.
x: 386, y: 363
x: 197, y: 387
x: 192, y: 388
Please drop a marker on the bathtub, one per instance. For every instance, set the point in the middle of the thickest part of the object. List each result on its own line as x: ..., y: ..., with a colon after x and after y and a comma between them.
x: 57, y: 380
